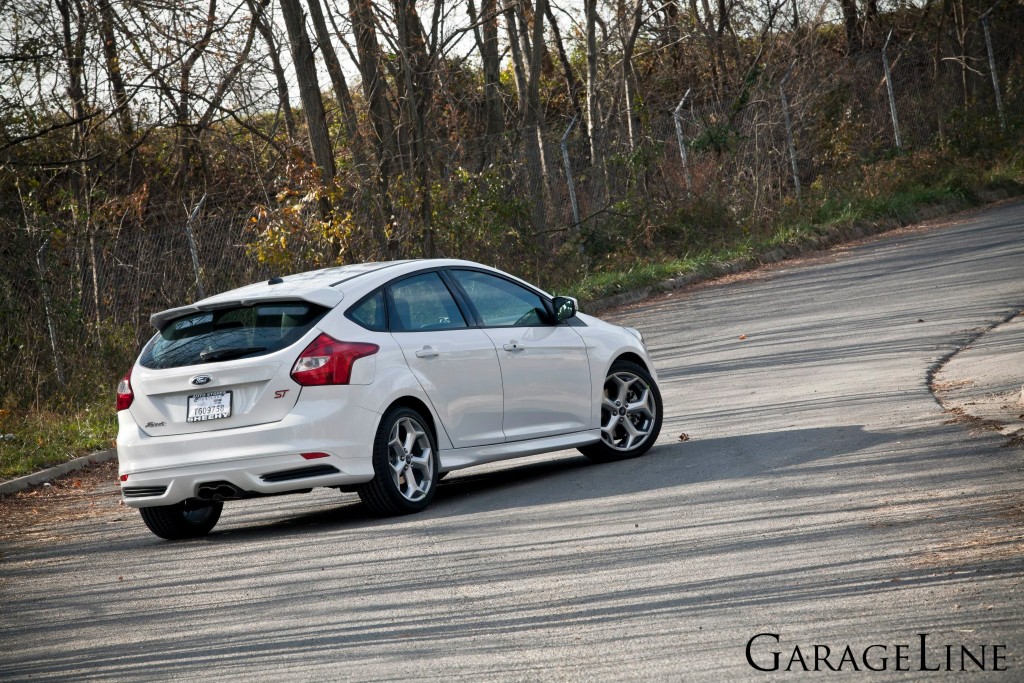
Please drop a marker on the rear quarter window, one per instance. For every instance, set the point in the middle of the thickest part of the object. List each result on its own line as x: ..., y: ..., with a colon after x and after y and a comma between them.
x: 369, y: 313
x: 229, y: 333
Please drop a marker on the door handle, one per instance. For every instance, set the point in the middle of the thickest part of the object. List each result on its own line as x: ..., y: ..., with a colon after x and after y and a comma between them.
x: 427, y: 352
x: 514, y: 346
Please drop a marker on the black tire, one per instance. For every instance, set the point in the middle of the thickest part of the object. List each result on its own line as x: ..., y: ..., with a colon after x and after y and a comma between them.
x: 603, y: 450
x: 388, y: 493
x: 188, y: 519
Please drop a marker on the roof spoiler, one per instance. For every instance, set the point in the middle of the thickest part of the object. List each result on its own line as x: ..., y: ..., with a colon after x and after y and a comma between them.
x: 327, y: 297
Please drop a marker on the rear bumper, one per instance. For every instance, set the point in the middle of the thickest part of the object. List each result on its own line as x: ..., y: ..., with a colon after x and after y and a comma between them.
x: 169, y: 469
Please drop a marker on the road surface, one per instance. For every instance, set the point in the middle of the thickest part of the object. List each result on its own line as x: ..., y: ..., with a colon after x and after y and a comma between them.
x: 823, y: 496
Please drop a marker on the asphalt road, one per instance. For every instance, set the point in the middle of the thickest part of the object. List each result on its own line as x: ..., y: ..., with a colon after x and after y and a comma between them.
x: 823, y: 496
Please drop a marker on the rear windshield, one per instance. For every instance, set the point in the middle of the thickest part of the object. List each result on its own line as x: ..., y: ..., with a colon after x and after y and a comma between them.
x: 230, y: 333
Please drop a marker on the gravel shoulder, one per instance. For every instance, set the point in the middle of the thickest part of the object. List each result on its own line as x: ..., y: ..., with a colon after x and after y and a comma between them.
x: 983, y: 383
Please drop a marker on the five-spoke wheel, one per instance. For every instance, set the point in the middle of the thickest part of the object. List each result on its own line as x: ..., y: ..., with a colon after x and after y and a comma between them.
x: 405, y: 464
x: 411, y: 458
x: 630, y: 413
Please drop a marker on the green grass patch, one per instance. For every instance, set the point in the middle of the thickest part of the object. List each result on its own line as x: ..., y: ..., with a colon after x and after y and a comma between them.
x: 35, y: 439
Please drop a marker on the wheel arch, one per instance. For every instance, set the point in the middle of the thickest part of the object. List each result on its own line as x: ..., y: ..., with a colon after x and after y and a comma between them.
x: 632, y: 358
x: 420, y: 407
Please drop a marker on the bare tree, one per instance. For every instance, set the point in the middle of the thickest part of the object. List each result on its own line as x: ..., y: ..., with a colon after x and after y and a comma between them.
x: 258, y: 8
x: 374, y: 87
x: 309, y: 89
x: 485, y: 30
x: 630, y: 21
x: 113, y: 63
x: 415, y: 95
x: 572, y: 84
x: 341, y: 92
x: 850, y: 23
x: 593, y: 111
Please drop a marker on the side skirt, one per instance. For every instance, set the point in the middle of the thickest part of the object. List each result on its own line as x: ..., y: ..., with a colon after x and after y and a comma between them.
x: 457, y: 458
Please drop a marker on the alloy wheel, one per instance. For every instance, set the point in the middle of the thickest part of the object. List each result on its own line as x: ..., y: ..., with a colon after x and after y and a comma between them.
x: 628, y: 411
x: 410, y: 458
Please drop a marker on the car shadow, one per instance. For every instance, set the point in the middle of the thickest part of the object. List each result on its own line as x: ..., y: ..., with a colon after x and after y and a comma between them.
x: 565, y: 477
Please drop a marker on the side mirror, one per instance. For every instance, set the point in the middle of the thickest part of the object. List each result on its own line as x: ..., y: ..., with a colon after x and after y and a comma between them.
x: 565, y: 307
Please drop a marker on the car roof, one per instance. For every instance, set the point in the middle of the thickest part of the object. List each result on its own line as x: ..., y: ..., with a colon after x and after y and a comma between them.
x: 325, y: 287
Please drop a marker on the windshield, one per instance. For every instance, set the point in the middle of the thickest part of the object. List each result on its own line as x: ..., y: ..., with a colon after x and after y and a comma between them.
x: 229, y: 333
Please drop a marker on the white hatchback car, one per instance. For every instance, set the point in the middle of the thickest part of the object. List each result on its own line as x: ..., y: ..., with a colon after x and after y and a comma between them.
x: 376, y: 378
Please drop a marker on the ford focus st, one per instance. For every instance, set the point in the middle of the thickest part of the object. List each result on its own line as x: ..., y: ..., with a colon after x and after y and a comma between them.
x: 376, y: 378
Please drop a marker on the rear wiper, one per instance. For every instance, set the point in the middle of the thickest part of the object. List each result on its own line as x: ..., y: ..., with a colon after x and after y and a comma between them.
x: 230, y: 352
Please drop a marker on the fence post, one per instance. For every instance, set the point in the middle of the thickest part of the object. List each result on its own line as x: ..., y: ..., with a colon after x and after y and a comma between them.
x: 892, y: 96
x: 192, y: 247
x: 569, y: 180
x: 45, y: 290
x: 992, y: 70
x: 789, y: 134
x: 682, y: 144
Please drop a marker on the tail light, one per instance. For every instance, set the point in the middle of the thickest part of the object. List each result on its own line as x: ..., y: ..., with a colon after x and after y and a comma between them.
x: 329, y: 361
x: 125, y: 395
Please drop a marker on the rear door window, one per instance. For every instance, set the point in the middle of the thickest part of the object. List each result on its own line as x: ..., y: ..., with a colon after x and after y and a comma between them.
x: 229, y: 333
x: 422, y: 303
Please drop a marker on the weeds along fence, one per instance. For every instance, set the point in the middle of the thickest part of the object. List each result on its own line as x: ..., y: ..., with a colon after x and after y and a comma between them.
x: 701, y: 169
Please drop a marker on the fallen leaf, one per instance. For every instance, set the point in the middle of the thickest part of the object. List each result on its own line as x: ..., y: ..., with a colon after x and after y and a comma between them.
x: 742, y: 337
x: 684, y: 437
x: 77, y: 484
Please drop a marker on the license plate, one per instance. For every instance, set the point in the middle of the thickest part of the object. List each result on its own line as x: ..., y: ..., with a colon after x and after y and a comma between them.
x: 213, y: 405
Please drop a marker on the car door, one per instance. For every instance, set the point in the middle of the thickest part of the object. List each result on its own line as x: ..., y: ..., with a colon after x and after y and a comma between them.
x: 456, y: 364
x: 545, y: 371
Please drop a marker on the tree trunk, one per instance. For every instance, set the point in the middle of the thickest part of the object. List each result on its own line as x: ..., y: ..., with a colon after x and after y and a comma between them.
x: 113, y: 62
x: 723, y: 18
x: 534, y: 123
x: 416, y: 101
x: 374, y: 88
x: 309, y: 91
x: 283, y: 97
x: 487, y: 44
x: 518, y: 63
x: 593, y: 114
x: 572, y: 84
x: 850, y: 23
x: 341, y: 91
x: 73, y: 43
x: 629, y: 75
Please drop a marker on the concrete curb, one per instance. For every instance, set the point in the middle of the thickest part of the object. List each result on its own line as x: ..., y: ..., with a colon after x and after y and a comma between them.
x: 973, y: 390
x: 52, y: 473
x: 811, y: 243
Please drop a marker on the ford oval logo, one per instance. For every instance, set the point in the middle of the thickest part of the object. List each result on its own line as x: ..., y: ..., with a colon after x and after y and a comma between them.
x: 202, y: 379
